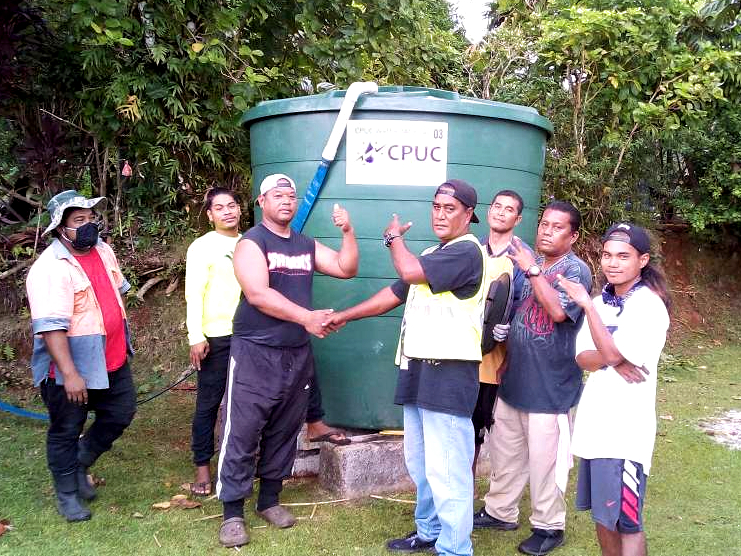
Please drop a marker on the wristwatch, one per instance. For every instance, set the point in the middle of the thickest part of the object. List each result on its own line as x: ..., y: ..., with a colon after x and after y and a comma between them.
x: 533, y: 270
x: 389, y: 238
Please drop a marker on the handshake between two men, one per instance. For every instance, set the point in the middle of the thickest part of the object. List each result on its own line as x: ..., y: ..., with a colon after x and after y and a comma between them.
x: 322, y: 322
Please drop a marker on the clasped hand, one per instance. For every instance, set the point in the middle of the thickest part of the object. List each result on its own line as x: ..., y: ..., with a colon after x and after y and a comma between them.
x: 322, y: 322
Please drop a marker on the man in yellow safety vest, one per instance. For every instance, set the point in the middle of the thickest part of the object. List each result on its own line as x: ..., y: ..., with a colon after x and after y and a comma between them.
x: 438, y: 356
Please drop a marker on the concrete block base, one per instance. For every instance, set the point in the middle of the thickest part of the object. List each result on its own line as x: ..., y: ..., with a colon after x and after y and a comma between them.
x: 306, y: 463
x: 363, y: 468
x: 371, y: 464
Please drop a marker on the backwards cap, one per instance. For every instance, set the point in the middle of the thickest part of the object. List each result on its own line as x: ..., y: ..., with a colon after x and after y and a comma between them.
x: 276, y: 180
x: 634, y: 236
x: 464, y: 192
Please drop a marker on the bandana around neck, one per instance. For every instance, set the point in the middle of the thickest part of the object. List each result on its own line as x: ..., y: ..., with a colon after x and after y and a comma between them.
x: 609, y: 297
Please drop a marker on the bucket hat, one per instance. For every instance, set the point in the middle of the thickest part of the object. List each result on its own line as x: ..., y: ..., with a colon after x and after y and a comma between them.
x: 69, y: 199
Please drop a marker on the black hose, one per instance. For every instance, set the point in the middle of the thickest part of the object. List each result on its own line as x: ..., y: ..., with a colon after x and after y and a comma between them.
x: 173, y: 385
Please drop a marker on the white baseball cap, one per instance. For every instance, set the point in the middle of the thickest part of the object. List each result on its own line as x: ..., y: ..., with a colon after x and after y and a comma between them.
x: 276, y: 180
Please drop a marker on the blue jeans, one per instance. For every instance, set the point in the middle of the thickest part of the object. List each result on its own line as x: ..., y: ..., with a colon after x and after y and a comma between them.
x: 438, y: 450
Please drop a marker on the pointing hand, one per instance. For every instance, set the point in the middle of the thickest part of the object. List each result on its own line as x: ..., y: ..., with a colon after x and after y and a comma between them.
x: 395, y: 228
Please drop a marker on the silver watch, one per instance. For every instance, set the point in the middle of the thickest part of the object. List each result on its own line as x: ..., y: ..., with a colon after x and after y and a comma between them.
x: 533, y: 270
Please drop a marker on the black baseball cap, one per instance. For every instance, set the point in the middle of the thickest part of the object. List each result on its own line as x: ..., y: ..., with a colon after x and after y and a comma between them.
x: 631, y: 234
x: 461, y: 190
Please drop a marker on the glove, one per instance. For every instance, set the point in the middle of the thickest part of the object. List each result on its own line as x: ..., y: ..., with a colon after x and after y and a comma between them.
x: 500, y: 332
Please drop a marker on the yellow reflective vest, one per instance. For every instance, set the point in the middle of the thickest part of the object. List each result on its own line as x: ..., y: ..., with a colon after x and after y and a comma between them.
x: 439, y: 325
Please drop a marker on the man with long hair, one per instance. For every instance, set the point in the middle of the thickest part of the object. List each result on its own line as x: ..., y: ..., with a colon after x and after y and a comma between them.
x: 619, y: 344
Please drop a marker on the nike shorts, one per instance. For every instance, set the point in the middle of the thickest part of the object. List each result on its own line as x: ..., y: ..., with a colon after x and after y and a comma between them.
x: 614, y: 489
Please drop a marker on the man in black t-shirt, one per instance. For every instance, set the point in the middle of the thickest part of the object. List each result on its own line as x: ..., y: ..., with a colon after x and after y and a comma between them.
x: 271, y: 362
x: 439, y: 355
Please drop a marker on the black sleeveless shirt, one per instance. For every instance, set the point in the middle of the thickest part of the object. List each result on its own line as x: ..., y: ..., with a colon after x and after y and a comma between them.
x: 291, y: 270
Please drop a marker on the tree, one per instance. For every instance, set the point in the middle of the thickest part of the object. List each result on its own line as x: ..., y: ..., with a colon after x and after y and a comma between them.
x: 620, y: 89
x: 717, y: 21
x: 160, y: 86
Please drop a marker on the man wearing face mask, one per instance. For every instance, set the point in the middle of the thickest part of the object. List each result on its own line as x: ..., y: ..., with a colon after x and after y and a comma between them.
x: 81, y: 347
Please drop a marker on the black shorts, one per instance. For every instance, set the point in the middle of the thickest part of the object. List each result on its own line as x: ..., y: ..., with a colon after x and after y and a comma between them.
x: 482, y: 414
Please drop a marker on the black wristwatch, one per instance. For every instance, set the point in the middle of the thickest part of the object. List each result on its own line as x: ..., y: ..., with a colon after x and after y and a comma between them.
x: 389, y: 238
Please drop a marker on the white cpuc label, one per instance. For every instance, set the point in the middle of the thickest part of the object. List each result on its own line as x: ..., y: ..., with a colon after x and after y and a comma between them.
x: 396, y: 152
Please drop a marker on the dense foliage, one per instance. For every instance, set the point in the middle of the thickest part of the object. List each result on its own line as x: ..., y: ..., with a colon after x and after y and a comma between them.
x: 645, y: 105
x: 105, y: 88
x: 139, y: 101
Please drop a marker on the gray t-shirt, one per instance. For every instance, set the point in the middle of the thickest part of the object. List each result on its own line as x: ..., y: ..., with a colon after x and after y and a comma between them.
x: 542, y: 375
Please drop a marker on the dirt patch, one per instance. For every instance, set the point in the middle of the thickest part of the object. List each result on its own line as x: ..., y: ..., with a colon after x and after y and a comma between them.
x: 703, y: 283
x: 705, y: 289
x: 725, y: 430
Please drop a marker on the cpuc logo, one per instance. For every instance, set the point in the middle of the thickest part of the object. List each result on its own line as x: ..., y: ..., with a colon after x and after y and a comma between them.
x: 396, y: 152
x: 370, y: 153
x: 399, y: 152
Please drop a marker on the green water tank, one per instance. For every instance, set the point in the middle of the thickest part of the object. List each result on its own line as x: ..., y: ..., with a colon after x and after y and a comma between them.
x: 400, y: 144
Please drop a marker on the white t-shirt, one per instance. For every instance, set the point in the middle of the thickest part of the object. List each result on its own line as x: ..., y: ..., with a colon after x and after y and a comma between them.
x: 617, y: 419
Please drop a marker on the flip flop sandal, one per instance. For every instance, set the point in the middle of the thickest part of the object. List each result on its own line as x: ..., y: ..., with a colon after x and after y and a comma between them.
x: 201, y: 489
x: 328, y: 437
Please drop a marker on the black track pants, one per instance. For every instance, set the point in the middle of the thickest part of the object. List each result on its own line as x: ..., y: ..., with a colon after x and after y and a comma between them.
x: 266, y: 399
x: 211, y: 385
x: 315, y: 412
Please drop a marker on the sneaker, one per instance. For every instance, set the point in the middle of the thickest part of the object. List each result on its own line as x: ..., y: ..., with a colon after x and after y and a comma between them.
x: 411, y: 543
x: 542, y: 541
x: 482, y: 520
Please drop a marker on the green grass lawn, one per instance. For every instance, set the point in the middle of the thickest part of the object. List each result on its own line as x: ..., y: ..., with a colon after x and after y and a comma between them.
x: 693, y: 504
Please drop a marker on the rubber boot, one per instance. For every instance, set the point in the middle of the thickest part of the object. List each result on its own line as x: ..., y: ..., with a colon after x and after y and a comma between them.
x: 85, y: 489
x: 69, y: 504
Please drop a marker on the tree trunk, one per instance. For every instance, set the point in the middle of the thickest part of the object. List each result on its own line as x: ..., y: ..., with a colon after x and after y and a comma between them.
x: 119, y: 194
x: 101, y: 169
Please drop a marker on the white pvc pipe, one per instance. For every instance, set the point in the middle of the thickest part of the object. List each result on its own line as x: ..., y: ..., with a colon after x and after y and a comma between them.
x: 351, y: 96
